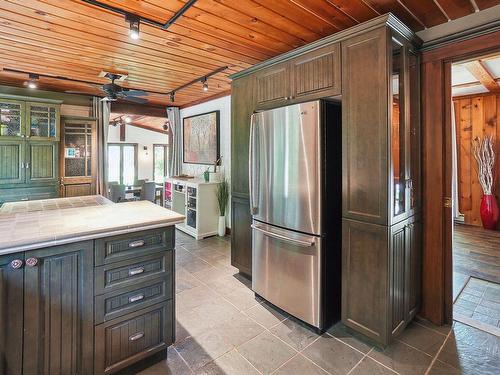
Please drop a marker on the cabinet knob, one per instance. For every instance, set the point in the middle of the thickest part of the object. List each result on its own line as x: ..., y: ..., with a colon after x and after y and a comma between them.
x: 31, y: 262
x: 16, y: 264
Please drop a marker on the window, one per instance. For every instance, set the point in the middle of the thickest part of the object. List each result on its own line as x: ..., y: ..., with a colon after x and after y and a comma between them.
x: 160, y: 163
x: 122, y: 163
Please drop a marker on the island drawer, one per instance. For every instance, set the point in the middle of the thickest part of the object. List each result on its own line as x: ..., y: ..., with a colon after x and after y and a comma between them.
x: 114, y: 276
x: 126, y: 340
x: 135, y: 297
x: 131, y: 245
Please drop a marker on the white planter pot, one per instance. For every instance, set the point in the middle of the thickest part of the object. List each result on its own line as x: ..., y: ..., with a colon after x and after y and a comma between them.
x: 222, y: 226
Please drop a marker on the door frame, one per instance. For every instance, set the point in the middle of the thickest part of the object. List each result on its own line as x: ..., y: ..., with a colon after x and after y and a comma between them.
x: 437, y: 267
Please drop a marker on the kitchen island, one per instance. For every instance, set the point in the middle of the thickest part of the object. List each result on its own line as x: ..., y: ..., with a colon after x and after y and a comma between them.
x: 85, y: 288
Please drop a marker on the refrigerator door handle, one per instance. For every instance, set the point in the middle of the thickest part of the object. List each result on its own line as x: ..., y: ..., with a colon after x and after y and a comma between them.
x: 283, y: 238
x: 252, y: 164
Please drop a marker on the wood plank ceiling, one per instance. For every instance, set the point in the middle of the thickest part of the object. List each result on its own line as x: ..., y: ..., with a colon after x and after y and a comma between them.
x: 76, y: 40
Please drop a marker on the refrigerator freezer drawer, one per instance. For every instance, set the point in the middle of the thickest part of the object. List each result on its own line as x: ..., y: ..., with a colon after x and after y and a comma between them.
x: 286, y: 271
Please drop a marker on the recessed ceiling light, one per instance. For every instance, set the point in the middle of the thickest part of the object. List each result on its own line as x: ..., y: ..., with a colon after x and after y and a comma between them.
x: 128, y: 119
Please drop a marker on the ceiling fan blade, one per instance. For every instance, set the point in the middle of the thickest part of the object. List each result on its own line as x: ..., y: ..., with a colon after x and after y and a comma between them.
x: 134, y: 99
x: 128, y: 92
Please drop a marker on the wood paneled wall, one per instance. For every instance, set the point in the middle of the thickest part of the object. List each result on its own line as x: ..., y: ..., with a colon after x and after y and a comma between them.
x: 475, y: 116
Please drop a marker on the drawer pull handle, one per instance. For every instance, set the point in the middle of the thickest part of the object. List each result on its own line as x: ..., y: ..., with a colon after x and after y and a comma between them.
x: 137, y: 243
x: 16, y: 264
x: 136, y: 298
x: 135, y: 271
x: 136, y: 337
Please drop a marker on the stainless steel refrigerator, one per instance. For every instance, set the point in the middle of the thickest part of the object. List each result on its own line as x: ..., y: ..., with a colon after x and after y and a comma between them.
x: 295, y: 199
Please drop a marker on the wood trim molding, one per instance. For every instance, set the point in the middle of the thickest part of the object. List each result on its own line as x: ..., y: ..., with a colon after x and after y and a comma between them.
x: 436, y: 159
x: 387, y: 19
x: 137, y: 109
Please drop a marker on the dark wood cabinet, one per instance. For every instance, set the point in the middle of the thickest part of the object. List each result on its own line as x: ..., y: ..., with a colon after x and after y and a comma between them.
x: 373, y: 68
x: 316, y: 74
x: 365, y: 83
x: 58, y: 310
x: 53, y: 320
x: 11, y: 317
x: 243, y: 104
x: 273, y: 85
x: 241, y: 240
x: 307, y: 76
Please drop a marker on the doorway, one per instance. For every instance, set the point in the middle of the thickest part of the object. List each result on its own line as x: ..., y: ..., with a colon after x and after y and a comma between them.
x: 475, y: 133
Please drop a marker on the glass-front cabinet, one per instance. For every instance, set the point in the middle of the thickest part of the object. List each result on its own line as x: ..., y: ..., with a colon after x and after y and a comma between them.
x: 12, y: 118
x: 405, y: 132
x: 29, y: 119
x: 42, y: 121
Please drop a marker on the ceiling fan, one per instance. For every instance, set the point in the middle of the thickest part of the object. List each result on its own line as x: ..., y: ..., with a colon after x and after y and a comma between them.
x: 114, y: 92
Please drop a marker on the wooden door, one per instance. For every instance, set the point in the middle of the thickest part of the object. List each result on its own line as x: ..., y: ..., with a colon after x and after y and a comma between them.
x: 12, y: 163
x: 58, y: 310
x: 273, y: 86
x: 77, y: 157
x: 316, y: 74
x: 11, y: 318
x: 41, y: 164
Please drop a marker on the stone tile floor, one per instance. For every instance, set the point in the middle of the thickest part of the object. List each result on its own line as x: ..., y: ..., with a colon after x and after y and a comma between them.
x: 223, y: 329
x: 480, y: 301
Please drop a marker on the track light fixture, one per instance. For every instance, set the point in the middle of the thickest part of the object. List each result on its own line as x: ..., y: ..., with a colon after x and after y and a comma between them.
x: 134, y: 22
x: 33, y: 81
x: 172, y: 96
x: 205, y: 83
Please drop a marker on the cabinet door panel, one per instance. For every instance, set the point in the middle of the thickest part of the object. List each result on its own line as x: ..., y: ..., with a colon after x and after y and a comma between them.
x: 364, y: 278
x: 12, y: 119
x: 42, y: 159
x: 241, y: 238
x: 58, y: 310
x: 414, y: 267
x: 242, y: 107
x: 317, y: 74
x: 398, y: 277
x: 11, y: 320
x: 42, y: 121
x: 364, y: 127
x: 273, y: 86
x: 11, y: 162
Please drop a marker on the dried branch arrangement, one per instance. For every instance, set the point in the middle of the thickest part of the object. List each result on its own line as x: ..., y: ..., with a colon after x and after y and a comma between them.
x: 485, y: 157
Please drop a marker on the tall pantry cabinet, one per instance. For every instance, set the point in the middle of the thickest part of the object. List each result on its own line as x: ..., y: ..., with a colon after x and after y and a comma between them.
x: 373, y: 69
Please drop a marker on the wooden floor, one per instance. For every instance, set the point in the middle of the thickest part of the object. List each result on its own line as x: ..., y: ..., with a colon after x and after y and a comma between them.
x: 476, y: 253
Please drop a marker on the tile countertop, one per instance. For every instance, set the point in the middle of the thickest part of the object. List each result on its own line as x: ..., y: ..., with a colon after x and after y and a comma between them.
x: 53, y: 204
x: 21, y: 231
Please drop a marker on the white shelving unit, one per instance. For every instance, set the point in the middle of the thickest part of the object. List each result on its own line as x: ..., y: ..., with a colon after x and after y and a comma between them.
x: 196, y: 200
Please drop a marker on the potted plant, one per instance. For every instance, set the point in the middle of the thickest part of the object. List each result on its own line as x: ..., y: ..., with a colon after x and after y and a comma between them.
x: 222, y: 200
x: 485, y: 157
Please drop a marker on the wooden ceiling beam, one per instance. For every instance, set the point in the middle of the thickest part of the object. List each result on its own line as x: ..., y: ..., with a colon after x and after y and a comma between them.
x: 479, y: 71
x: 150, y: 128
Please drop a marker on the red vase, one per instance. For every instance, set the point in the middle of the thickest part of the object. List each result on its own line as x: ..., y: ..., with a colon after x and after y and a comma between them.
x: 489, y: 212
